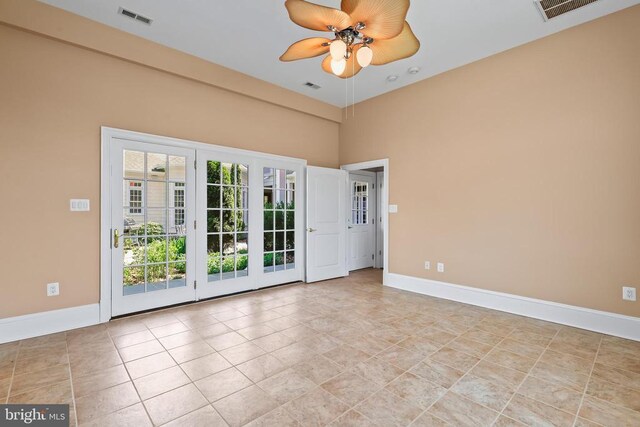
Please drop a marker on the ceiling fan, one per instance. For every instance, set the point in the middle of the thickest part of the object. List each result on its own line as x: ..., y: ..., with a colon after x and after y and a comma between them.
x: 367, y: 32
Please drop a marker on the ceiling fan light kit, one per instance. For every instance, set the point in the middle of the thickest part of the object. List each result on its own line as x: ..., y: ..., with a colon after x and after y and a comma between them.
x: 366, y: 32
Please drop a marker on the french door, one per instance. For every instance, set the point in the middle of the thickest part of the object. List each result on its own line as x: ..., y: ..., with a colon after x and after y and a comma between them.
x: 152, y: 230
x: 250, y: 229
x: 188, y: 222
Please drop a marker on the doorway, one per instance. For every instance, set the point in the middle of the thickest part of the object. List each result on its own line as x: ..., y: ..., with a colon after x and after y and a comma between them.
x: 368, y: 201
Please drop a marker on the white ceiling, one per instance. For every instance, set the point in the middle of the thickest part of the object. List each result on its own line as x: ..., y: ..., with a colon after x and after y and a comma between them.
x: 250, y: 35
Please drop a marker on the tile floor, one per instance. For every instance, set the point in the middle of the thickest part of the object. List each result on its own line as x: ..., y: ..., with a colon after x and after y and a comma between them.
x: 346, y: 352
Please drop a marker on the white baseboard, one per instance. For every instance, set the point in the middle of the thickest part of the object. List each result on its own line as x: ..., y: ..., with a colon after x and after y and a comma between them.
x: 48, y: 322
x: 579, y: 317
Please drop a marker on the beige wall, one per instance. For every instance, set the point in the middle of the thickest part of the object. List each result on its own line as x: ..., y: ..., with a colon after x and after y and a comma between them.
x: 53, y: 99
x: 521, y: 172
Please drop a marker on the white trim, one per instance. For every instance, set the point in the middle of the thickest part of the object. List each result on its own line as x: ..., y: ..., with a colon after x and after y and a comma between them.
x: 48, y: 322
x: 579, y: 317
x: 384, y: 163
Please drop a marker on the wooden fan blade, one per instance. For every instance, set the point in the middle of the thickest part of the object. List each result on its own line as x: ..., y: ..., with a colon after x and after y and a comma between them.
x: 403, y: 46
x: 316, y: 17
x: 384, y: 18
x: 307, y: 48
x: 351, y: 70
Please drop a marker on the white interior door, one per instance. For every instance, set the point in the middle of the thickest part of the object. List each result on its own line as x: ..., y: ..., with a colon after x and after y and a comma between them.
x: 361, y: 221
x: 326, y: 224
x: 152, y: 226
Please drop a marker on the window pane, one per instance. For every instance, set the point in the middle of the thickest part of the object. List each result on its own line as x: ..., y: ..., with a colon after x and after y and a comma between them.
x: 227, y: 178
x: 268, y: 242
x: 177, y: 275
x: 279, y: 241
x: 290, y: 259
x: 267, y: 178
x: 228, y: 268
x: 281, y: 179
x: 213, y: 243
x: 268, y: 220
x: 290, y: 239
x: 228, y: 197
x: 280, y: 199
x: 228, y: 244
x: 242, y: 265
x: 156, y: 222
x: 242, y: 198
x: 133, y: 280
x: 213, y: 197
x: 133, y: 164
x: 291, y: 220
x: 156, y: 277
x: 213, y: 221
x: 279, y: 220
x: 177, y: 168
x: 279, y: 259
x: 156, y: 166
x: 213, y: 172
x: 228, y: 223
x: 156, y: 194
x: 242, y: 220
x: 291, y: 180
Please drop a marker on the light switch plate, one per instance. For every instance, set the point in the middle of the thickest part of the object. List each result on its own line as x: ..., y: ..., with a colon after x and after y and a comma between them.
x: 393, y: 208
x: 440, y: 267
x: 79, y: 205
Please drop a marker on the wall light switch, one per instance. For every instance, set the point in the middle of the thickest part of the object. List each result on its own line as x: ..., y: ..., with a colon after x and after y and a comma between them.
x: 79, y: 205
x: 393, y: 208
x: 53, y: 289
x: 440, y: 267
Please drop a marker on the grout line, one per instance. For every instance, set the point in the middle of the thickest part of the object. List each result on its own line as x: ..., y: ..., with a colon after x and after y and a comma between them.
x: 13, y: 371
x: 73, y: 394
x: 586, y: 386
x: 527, y: 375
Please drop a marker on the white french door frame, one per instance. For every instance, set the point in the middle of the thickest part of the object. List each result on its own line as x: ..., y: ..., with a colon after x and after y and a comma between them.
x: 384, y: 214
x: 259, y: 160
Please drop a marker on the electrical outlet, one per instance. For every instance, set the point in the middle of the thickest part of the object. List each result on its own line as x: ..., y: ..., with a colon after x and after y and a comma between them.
x: 440, y: 267
x: 53, y: 289
x: 628, y: 294
x: 427, y: 265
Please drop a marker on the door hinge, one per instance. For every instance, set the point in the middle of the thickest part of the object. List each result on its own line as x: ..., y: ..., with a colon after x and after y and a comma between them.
x: 195, y: 224
x: 374, y: 220
x: 195, y: 164
x: 373, y: 256
x: 195, y: 284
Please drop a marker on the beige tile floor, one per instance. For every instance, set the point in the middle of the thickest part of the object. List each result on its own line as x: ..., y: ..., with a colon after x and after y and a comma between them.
x: 346, y: 352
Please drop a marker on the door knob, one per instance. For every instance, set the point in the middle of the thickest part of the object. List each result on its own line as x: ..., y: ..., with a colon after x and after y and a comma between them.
x: 116, y: 238
x: 311, y: 230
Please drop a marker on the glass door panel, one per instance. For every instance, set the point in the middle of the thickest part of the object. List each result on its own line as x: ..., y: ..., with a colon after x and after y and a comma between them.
x: 149, y: 224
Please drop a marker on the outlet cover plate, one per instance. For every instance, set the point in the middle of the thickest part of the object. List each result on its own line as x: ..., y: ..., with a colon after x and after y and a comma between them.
x: 629, y: 294
x: 440, y: 267
x: 53, y: 289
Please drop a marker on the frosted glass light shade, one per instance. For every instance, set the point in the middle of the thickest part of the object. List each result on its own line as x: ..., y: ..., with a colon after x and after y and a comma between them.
x: 338, y: 49
x: 338, y: 66
x: 364, y: 56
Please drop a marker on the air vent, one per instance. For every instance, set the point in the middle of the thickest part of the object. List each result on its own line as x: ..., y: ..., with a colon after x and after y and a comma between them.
x: 140, y: 18
x: 553, y: 8
x: 312, y: 85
